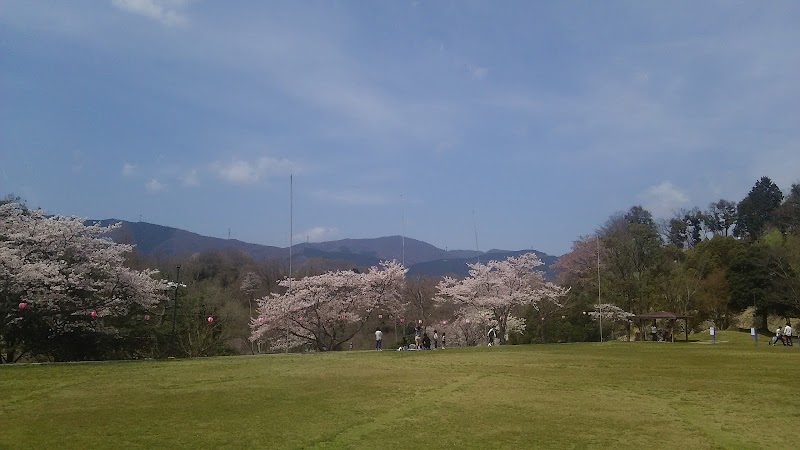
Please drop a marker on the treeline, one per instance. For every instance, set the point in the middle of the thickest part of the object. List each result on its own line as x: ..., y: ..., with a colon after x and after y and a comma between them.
x: 708, y: 264
x: 67, y: 292
x: 227, y: 284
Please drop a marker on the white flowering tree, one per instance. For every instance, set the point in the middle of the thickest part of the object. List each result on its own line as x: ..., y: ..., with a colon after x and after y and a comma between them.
x: 492, y: 291
x: 250, y: 284
x: 611, y: 314
x: 325, y: 311
x: 61, y: 279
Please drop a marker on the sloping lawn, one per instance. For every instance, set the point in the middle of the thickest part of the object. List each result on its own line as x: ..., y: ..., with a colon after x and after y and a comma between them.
x: 611, y: 395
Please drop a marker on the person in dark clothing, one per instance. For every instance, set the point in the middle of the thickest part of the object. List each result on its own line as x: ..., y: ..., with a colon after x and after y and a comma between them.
x: 426, y: 342
x: 491, y: 336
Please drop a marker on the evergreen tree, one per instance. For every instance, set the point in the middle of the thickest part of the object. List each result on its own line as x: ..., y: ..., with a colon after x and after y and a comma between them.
x: 757, y: 210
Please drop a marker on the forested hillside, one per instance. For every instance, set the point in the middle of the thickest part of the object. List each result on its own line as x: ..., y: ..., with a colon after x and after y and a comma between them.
x: 710, y: 264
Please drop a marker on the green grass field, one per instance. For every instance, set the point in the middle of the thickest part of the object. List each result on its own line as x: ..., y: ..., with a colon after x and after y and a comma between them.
x: 610, y: 395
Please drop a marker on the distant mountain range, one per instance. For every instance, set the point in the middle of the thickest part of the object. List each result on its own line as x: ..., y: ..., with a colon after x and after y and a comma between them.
x: 420, y: 257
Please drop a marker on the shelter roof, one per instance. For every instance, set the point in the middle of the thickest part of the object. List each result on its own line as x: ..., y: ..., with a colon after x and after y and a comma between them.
x: 661, y: 315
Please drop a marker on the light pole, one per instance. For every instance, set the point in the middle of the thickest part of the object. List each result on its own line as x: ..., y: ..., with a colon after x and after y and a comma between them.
x: 599, y: 305
x: 175, y: 309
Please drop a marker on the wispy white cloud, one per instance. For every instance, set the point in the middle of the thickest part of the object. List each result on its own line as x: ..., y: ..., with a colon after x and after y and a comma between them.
x: 317, y: 234
x: 190, y: 179
x: 129, y: 169
x: 353, y: 197
x: 477, y: 72
x: 663, y: 199
x: 320, y: 72
x: 168, y: 12
x: 154, y: 186
x: 239, y: 171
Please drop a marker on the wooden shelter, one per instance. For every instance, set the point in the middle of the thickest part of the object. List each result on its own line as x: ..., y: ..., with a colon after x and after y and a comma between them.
x: 664, y: 315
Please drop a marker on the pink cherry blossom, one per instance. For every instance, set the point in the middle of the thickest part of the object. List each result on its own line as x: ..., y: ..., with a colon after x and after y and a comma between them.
x: 494, y: 290
x: 325, y: 311
x: 67, y: 268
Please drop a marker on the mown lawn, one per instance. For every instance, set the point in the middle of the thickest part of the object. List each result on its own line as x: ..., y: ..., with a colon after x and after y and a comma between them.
x: 610, y: 395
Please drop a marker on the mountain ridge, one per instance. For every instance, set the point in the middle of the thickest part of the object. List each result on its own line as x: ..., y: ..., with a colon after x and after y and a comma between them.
x: 420, y: 257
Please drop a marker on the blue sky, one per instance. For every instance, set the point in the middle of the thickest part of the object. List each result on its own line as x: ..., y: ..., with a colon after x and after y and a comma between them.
x: 542, y: 117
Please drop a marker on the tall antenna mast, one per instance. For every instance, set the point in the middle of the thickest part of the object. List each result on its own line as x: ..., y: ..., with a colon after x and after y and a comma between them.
x: 599, y: 305
x: 291, y: 243
x: 475, y: 228
x: 291, y: 225
x: 403, y: 230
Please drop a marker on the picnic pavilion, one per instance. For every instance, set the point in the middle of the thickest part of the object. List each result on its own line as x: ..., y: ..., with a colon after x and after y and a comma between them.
x: 664, y: 315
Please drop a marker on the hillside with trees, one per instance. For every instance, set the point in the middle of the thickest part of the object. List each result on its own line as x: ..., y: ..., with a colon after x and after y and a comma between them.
x: 70, y: 292
x: 710, y: 264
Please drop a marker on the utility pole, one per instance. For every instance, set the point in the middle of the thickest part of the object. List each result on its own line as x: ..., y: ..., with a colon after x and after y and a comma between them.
x: 291, y: 243
x: 175, y: 308
x: 475, y: 229
x: 402, y: 230
x: 599, y: 305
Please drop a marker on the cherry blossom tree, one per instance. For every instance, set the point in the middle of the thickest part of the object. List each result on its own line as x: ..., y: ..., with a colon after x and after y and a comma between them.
x: 579, y: 264
x: 60, y: 278
x: 493, y: 290
x: 612, y: 314
x: 250, y: 284
x: 325, y: 311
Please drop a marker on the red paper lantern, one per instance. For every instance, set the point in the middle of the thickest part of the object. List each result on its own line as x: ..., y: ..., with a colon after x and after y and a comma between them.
x: 444, y: 322
x: 93, y: 314
x: 210, y: 319
x: 147, y: 317
x: 380, y: 316
x: 420, y: 321
x: 23, y: 305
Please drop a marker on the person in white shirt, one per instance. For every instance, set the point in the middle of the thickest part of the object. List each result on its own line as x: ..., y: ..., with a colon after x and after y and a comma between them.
x: 435, y: 339
x: 776, y: 338
x: 787, y: 333
x: 378, y: 339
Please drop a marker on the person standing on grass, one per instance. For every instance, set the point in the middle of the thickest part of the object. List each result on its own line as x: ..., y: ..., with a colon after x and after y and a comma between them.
x: 777, y: 337
x: 444, y: 338
x: 491, y: 336
x: 378, y: 339
x: 435, y: 339
x: 654, y: 332
x: 787, y: 333
x: 418, y: 336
